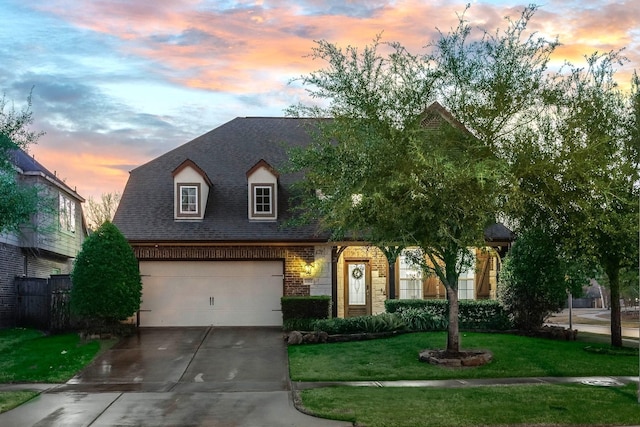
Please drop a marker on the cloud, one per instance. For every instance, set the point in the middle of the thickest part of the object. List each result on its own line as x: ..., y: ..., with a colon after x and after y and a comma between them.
x: 118, y: 82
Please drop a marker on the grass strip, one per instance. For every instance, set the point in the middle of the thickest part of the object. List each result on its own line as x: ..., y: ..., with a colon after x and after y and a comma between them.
x: 11, y: 399
x: 557, y: 405
x: 397, y: 359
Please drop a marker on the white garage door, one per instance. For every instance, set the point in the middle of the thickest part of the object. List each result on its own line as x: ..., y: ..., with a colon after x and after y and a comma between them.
x: 218, y: 293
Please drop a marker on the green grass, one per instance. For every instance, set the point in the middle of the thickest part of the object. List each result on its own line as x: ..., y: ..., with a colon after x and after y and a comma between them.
x: 558, y: 405
x: 397, y: 359
x: 11, y: 399
x: 29, y: 356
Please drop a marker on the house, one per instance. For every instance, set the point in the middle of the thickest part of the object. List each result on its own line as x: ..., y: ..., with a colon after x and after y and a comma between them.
x: 207, y: 222
x: 49, y: 243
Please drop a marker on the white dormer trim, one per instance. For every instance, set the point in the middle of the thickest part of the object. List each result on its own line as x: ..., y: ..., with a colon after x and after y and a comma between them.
x: 262, y: 191
x: 191, y: 187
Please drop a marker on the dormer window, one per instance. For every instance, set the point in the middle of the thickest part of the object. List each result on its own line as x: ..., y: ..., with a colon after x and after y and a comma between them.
x: 262, y: 182
x: 263, y: 200
x: 189, y: 199
x: 191, y: 189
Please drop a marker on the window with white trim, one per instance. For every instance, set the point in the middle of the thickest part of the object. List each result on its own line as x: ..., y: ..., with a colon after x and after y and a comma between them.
x: 188, y: 200
x: 467, y: 279
x: 67, y: 214
x: 263, y: 200
x: 410, y: 279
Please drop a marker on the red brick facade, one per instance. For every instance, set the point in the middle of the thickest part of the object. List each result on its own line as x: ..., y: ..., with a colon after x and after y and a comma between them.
x: 295, y: 258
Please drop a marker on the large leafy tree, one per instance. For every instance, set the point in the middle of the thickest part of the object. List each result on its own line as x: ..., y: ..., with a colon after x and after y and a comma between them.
x: 106, y: 280
x: 17, y: 202
x: 391, y: 171
x: 579, y: 177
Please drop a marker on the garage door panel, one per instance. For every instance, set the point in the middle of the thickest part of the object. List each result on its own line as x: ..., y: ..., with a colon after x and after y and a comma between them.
x: 194, y: 293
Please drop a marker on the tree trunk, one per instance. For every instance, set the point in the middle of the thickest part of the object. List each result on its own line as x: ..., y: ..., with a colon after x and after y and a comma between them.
x: 453, y: 332
x: 616, y: 323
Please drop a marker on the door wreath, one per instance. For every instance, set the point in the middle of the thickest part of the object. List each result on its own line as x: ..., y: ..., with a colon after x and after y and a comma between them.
x: 357, y: 273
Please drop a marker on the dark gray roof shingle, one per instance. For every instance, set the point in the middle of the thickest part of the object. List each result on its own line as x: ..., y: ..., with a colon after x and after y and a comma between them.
x: 225, y: 154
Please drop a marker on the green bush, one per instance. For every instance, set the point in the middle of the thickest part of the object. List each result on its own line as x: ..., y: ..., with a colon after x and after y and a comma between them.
x: 532, y: 281
x: 384, y: 322
x: 488, y: 315
x: 300, y: 313
x: 421, y: 320
x: 106, y: 280
x: 473, y: 314
x: 299, y: 324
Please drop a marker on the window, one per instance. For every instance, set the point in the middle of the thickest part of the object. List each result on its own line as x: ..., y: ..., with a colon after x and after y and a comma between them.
x: 67, y: 214
x: 410, y: 279
x: 263, y: 200
x: 188, y: 200
x: 467, y: 280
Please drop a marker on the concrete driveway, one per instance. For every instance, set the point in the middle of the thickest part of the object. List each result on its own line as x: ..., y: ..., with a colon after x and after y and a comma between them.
x: 177, y: 377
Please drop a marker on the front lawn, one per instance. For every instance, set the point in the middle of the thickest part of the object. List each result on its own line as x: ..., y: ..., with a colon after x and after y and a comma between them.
x: 27, y: 355
x: 397, y: 359
x: 514, y: 356
x: 557, y: 405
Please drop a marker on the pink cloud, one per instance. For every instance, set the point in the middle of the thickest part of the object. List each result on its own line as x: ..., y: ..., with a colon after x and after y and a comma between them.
x: 254, y: 48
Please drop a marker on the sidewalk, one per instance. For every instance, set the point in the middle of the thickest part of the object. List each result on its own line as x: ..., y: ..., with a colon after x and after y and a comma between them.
x: 602, y: 381
x: 480, y: 382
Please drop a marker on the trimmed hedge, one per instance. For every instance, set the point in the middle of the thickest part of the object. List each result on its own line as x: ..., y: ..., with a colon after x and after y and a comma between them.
x: 300, y: 313
x: 487, y: 315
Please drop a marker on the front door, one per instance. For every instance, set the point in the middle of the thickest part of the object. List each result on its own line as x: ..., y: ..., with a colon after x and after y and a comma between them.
x: 357, y: 289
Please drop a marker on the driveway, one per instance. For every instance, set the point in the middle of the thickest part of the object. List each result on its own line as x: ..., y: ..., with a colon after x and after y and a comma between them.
x: 177, y: 377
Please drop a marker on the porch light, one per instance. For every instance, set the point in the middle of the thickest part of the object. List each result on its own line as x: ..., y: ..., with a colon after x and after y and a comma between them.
x: 308, y: 269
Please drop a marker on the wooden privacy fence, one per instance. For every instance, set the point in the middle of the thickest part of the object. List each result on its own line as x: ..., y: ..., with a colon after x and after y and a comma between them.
x: 44, y: 303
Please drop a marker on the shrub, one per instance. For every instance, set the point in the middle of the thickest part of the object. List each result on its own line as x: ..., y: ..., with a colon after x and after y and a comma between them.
x: 473, y: 314
x: 384, y: 322
x: 106, y: 279
x: 299, y: 313
x: 532, y: 281
x: 421, y: 320
x: 488, y: 315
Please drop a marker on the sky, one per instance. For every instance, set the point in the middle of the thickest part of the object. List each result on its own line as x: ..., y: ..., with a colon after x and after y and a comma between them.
x: 116, y: 83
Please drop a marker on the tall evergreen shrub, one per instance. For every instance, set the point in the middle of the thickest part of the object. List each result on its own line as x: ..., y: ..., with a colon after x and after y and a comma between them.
x: 106, y: 278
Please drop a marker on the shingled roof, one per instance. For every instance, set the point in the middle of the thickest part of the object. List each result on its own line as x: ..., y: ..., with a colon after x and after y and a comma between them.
x: 27, y: 165
x: 225, y: 154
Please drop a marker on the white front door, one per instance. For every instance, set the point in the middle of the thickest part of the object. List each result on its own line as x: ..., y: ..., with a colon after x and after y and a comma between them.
x: 358, y: 291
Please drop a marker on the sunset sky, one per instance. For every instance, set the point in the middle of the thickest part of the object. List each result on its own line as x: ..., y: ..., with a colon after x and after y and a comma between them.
x: 119, y: 82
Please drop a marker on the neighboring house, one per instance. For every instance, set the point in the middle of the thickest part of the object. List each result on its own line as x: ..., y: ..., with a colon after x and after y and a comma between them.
x: 207, y: 222
x: 49, y: 243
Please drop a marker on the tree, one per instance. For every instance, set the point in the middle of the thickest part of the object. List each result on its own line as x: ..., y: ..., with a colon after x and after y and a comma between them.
x: 106, y: 279
x: 386, y: 178
x: 17, y: 202
x: 390, y: 172
x: 533, y: 279
x: 99, y: 212
x: 579, y: 176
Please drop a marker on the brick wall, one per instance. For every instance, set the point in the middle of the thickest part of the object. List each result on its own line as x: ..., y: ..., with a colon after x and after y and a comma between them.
x: 295, y: 259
